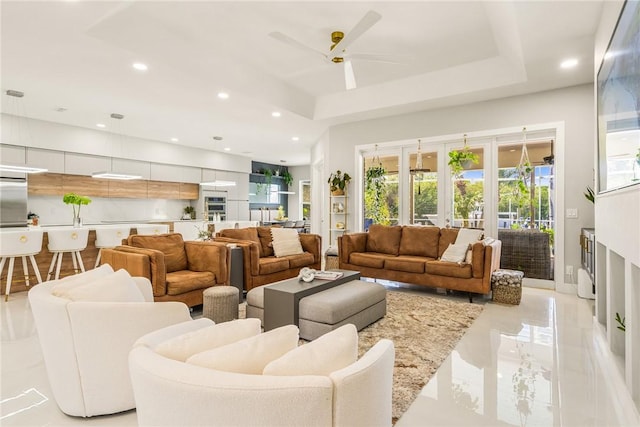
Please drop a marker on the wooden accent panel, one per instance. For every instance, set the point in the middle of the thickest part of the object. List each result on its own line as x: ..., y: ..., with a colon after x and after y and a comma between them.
x: 135, y: 189
x: 43, y: 259
x: 189, y: 191
x: 45, y: 184
x: 163, y: 190
x: 85, y: 185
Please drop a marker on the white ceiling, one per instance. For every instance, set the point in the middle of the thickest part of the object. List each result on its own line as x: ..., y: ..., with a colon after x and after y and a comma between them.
x: 78, y: 55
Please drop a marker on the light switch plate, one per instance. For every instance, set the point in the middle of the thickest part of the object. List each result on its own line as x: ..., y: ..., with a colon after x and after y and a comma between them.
x: 572, y: 213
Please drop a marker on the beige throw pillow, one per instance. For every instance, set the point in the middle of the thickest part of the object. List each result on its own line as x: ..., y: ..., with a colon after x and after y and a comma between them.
x: 332, y: 351
x: 286, y: 241
x: 455, y: 253
x: 250, y: 355
x: 184, y: 346
x: 469, y: 236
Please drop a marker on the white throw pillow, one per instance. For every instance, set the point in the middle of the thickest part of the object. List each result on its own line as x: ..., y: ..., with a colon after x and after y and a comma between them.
x: 455, y: 253
x: 469, y: 236
x: 250, y: 355
x: 286, y: 241
x: 63, y: 286
x: 332, y: 351
x: 116, y: 287
x: 184, y: 346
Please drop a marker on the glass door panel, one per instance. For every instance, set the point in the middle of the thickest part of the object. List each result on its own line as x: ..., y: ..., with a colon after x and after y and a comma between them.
x: 467, y: 194
x: 381, y: 202
x: 424, y: 189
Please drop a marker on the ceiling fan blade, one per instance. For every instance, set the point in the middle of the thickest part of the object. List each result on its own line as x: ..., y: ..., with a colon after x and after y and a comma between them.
x: 391, y: 59
x: 349, y: 76
x: 295, y: 43
x: 369, y: 19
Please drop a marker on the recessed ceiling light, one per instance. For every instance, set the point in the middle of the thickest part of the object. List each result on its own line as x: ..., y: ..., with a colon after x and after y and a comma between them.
x: 60, y: 109
x: 227, y: 148
x: 569, y: 63
x: 101, y: 125
x: 223, y: 95
x: 608, y: 55
x: 276, y: 114
x: 217, y: 138
x: 174, y: 140
x: 295, y: 138
x: 283, y: 161
x: 512, y: 150
x: 140, y: 66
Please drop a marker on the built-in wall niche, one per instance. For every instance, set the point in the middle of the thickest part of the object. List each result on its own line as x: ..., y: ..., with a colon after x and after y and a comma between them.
x: 601, y: 283
x: 617, y: 304
x: 267, y: 186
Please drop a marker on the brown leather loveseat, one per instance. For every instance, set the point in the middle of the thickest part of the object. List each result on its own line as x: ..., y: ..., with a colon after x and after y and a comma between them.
x: 411, y: 254
x: 178, y: 270
x: 260, y: 265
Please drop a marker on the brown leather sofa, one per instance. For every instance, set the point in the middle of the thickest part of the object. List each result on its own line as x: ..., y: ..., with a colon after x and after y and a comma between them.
x: 178, y: 270
x: 410, y: 254
x: 260, y: 265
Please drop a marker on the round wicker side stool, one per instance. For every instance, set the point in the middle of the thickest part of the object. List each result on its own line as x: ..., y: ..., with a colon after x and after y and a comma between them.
x: 220, y: 303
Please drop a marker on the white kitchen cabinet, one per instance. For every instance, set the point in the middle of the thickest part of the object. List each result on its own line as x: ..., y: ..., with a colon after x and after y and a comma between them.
x: 83, y: 164
x: 174, y: 173
x: 12, y: 154
x: 132, y: 167
x: 49, y: 159
x: 237, y: 210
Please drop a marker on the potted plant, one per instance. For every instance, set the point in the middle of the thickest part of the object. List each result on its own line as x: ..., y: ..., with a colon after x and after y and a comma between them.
x: 287, y: 177
x: 461, y: 160
x: 338, y: 182
x: 189, y: 212
x: 76, y: 200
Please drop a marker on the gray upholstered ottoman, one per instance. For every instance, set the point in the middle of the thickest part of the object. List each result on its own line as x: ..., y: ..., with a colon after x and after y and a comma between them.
x: 255, y: 304
x: 357, y: 302
x: 220, y: 303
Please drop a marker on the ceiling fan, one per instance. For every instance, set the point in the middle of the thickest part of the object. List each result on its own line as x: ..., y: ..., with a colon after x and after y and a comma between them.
x: 337, y: 52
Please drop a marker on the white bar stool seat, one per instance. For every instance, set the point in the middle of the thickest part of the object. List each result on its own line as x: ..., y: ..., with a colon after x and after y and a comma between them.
x: 20, y: 243
x: 66, y: 240
x: 152, y: 229
x: 109, y: 237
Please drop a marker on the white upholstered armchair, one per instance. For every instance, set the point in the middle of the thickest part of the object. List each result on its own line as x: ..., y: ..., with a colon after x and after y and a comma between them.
x: 172, y: 392
x: 86, y: 343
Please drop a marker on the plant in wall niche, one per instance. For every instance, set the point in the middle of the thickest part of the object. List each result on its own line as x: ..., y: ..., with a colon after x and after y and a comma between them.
x: 76, y: 200
x: 338, y: 182
x: 268, y: 174
x: 620, y: 322
x: 589, y: 195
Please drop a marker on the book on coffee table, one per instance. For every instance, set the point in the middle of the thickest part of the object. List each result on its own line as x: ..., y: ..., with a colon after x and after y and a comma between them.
x: 328, y: 275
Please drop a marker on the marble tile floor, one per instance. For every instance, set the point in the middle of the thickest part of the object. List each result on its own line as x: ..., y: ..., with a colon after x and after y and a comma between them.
x: 541, y: 363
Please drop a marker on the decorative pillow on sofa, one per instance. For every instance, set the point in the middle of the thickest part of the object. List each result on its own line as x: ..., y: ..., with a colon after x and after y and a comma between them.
x: 184, y: 346
x: 65, y: 284
x: 455, y: 253
x: 384, y: 239
x: 286, y: 241
x: 469, y: 236
x: 250, y: 355
x: 332, y: 351
x: 265, y: 239
x: 115, y: 287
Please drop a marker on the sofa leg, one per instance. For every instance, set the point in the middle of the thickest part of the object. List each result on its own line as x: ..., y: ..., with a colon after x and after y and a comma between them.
x: 470, y: 297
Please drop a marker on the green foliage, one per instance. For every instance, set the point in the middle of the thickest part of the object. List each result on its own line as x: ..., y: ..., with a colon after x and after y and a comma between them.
x: 203, y: 233
x: 287, y: 177
x: 590, y: 195
x: 338, y: 181
x: 75, y: 200
x: 620, y: 321
x: 465, y: 196
x: 375, y: 189
x: 551, y: 234
x: 268, y: 174
x: 458, y: 158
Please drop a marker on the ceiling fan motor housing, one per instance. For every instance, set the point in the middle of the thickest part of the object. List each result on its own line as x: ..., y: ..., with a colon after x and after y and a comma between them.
x: 336, y: 36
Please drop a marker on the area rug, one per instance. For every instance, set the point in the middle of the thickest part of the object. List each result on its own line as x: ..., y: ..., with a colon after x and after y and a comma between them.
x: 424, y: 329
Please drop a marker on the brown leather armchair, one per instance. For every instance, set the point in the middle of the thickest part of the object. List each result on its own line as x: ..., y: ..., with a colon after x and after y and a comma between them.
x: 178, y: 270
x: 260, y: 266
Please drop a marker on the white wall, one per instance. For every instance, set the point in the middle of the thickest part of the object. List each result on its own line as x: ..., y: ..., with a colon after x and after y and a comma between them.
x: 573, y: 106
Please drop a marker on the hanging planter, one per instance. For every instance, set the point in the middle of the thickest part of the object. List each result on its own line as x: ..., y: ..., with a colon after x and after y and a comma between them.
x: 524, y: 167
x: 459, y: 160
x: 375, y: 183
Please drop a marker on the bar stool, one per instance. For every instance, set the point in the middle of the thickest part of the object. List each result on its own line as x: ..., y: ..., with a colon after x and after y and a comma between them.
x: 20, y: 243
x: 152, y: 229
x: 109, y: 237
x: 66, y: 240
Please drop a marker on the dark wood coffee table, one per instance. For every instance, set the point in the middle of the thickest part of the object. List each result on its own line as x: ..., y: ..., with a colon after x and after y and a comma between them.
x: 281, y: 299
